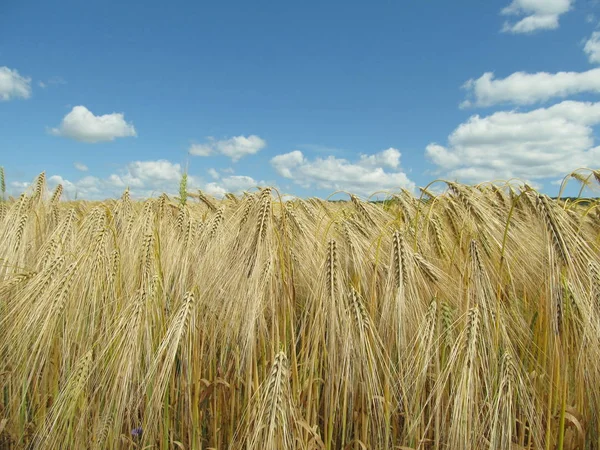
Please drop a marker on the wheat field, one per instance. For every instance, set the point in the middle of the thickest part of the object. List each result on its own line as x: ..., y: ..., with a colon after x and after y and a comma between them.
x: 467, y: 319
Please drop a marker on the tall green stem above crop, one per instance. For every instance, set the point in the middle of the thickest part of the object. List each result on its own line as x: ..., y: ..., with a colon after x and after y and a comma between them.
x: 183, y: 189
x: 2, y: 183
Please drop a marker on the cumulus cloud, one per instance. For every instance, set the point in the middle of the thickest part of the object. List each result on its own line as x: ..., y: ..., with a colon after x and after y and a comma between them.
x: 387, y: 158
x: 236, y: 147
x: 538, y: 15
x: 82, y: 125
x: 144, y: 179
x: 13, y: 85
x: 235, y: 184
x: 86, y: 187
x: 19, y: 186
x: 545, y: 142
x: 201, y: 150
x: 161, y: 170
x: 81, y: 167
x: 523, y: 88
x: 214, y: 174
x: 364, y: 176
x: 592, y: 48
x: 284, y: 164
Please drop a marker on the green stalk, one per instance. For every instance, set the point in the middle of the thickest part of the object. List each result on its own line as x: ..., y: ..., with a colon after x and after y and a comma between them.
x: 2, y: 183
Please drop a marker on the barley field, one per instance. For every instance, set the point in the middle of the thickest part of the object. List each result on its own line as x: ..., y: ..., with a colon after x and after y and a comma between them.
x: 466, y: 319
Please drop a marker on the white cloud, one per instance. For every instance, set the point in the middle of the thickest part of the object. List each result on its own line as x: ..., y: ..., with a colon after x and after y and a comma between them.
x: 592, y: 48
x: 148, y: 178
x: 235, y: 184
x: 81, y: 167
x: 539, y: 15
x: 387, y: 158
x: 200, y: 150
x: 82, y: 125
x: 20, y: 184
x: 215, y: 189
x: 545, y: 142
x: 284, y: 164
x: 88, y: 182
x: 86, y: 187
x: 365, y: 176
x: 144, y: 179
x: 13, y: 85
x: 442, y: 157
x: 68, y: 187
x: 161, y: 170
x: 523, y: 88
x: 235, y: 147
x: 214, y: 174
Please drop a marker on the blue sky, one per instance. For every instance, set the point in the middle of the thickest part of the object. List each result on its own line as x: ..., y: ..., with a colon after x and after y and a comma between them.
x: 308, y: 96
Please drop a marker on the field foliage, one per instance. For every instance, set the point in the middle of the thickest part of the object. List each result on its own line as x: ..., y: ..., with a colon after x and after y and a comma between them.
x: 464, y: 320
